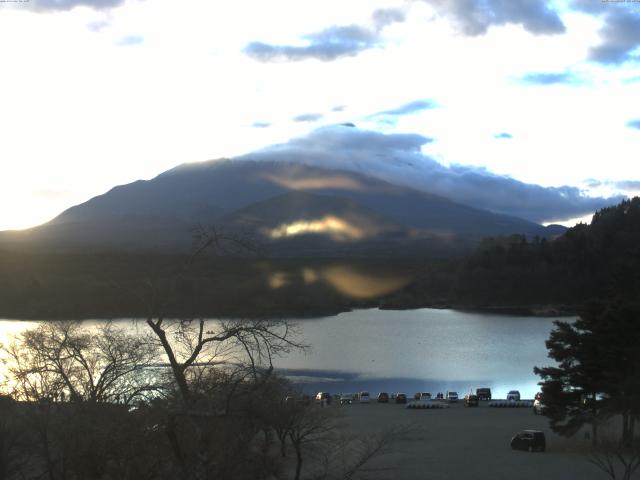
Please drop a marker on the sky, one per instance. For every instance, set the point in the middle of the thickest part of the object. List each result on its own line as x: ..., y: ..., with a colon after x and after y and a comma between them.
x: 526, y: 107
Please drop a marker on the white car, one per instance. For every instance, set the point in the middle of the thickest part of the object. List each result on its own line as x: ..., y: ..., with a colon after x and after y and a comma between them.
x: 364, y: 397
x: 452, y: 396
x: 513, y: 396
x: 538, y: 407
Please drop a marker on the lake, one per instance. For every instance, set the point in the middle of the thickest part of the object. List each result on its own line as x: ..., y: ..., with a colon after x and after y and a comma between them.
x: 409, y: 351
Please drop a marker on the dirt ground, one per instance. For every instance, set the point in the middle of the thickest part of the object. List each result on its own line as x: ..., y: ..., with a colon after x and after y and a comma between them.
x: 461, y: 442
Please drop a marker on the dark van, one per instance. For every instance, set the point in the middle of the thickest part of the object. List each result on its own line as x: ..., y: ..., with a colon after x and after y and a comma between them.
x: 483, y: 393
x: 529, y: 440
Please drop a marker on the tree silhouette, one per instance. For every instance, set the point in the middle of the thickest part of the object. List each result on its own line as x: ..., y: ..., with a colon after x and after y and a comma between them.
x: 597, y: 373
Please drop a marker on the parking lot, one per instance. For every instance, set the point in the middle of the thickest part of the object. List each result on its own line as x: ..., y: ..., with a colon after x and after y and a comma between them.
x: 462, y: 442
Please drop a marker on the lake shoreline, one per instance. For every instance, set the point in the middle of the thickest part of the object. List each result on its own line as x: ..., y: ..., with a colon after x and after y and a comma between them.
x: 534, y: 310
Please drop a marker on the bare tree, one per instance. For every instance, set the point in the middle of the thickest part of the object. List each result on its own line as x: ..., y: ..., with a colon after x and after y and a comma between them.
x: 62, y: 360
x: 618, y: 460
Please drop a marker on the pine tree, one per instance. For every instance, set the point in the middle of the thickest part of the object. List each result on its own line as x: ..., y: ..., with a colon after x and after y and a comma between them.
x: 598, y: 370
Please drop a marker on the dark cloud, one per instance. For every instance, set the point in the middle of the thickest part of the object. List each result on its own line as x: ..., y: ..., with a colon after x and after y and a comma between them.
x: 130, y: 40
x: 308, y: 117
x: 387, y: 16
x: 503, y: 135
x: 548, y: 78
x: 53, y: 5
x: 624, y: 185
x: 329, y: 44
x: 620, y: 32
x: 627, y: 184
x: 260, y: 124
x: 398, y: 158
x: 620, y: 37
x: 408, y: 108
x: 593, y: 183
x: 474, y: 17
x: 634, y: 124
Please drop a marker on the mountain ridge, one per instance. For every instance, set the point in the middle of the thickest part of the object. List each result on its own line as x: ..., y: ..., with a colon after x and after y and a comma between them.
x: 158, y: 213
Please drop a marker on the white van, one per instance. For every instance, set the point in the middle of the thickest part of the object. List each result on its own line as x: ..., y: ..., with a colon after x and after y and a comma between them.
x: 364, y: 397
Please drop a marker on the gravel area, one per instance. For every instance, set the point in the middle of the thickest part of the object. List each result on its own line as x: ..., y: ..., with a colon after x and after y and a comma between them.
x: 462, y: 442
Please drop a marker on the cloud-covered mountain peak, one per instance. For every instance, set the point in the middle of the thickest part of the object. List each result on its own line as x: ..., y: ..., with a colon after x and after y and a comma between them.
x: 398, y: 158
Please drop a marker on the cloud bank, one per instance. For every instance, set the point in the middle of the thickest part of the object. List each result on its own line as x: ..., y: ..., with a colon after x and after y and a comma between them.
x: 475, y: 17
x: 63, y: 5
x: 326, y: 45
x: 620, y: 32
x: 308, y: 117
x: 398, y: 158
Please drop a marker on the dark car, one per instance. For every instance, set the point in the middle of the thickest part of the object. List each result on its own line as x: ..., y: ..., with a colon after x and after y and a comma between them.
x: 483, y: 393
x: 470, y: 400
x: 530, y: 440
x: 383, y: 397
x: 401, y: 398
x: 346, y: 399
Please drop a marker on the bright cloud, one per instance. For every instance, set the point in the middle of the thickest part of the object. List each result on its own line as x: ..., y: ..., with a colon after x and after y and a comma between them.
x: 105, y: 92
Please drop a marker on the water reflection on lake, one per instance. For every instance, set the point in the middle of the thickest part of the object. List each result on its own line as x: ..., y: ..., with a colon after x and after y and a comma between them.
x: 410, y: 350
x: 422, y: 350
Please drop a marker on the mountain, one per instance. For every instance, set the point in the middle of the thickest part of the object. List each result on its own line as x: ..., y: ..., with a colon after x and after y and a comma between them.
x: 292, y: 208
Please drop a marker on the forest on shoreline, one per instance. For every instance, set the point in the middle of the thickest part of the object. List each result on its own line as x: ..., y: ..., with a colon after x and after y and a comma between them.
x: 511, y: 274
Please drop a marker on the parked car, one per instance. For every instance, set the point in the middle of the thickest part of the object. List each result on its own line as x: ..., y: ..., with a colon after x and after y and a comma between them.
x: 346, y: 399
x: 452, y: 396
x: 513, y: 395
x: 416, y: 396
x: 470, y: 400
x: 425, y: 396
x: 383, y: 397
x: 364, y: 397
x: 401, y: 398
x: 483, y: 393
x: 323, y: 397
x: 530, y: 440
x: 538, y: 407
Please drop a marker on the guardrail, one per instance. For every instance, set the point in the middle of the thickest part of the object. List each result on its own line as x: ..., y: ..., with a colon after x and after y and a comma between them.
x: 511, y: 404
x: 420, y: 405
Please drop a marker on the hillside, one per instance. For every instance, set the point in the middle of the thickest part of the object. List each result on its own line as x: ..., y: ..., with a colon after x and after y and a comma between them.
x: 257, y: 198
